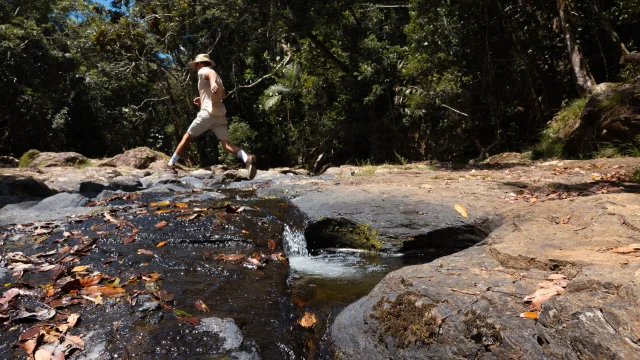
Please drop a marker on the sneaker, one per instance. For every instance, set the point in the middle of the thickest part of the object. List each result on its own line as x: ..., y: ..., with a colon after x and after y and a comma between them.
x: 252, y: 167
x: 170, y: 169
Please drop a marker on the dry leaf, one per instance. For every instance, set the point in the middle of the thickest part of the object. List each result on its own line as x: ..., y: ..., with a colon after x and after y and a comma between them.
x: 162, y: 224
x: 97, y: 300
x: 145, y: 252
x: 529, y: 315
x: 272, y: 244
x: 186, y: 217
x: 163, y: 211
x: 556, y: 277
x: 462, y: 211
x: 232, y: 257
x: 80, y: 268
x: 161, y: 244
x: 200, y: 305
x: 129, y: 239
x: 627, y: 249
x: 182, y: 205
x: 73, y: 319
x: 308, y: 320
x: 161, y: 203
x: 42, y: 354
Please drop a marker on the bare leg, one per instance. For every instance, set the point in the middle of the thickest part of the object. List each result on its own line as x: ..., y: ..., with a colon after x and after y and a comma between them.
x: 229, y: 147
x: 184, y: 144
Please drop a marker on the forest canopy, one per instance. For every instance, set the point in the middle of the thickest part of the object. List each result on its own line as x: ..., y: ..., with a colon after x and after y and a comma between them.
x: 378, y: 81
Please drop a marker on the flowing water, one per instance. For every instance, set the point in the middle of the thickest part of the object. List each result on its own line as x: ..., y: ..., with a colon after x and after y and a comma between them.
x: 266, y: 302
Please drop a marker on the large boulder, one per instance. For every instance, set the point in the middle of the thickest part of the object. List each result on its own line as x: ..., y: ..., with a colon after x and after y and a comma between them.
x: 612, y: 114
x: 468, y: 305
x: 15, y: 189
x: 138, y: 158
x: 61, y: 159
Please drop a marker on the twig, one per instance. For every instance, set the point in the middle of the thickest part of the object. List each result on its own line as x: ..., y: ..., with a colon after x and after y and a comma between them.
x: 164, y: 98
x: 382, y: 6
x: 262, y: 78
x: 458, y: 111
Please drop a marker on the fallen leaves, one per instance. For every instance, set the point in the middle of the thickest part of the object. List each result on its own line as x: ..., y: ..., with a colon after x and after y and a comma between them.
x: 161, y: 244
x: 144, y: 252
x: 629, y: 249
x: 308, y: 320
x: 200, y: 305
x: 232, y: 257
x: 187, y: 217
x: 529, y: 315
x: 272, y: 244
x: 554, y: 285
x: 462, y: 211
x: 161, y: 225
x: 79, y: 268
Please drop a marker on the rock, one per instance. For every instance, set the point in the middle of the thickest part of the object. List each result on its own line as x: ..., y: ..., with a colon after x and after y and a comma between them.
x: 292, y: 171
x: 612, y: 114
x: 159, y: 166
x: 138, y: 158
x: 23, y: 187
x: 6, y: 200
x: 402, y: 223
x: 509, y: 158
x: 193, y: 182
x: 21, y: 206
x: 107, y: 194
x: 61, y: 201
x: 62, y: 159
x: 220, y: 169
x: 4, y: 274
x: 208, y: 196
x: 235, y: 175
x: 167, y: 188
x: 154, y: 180
x: 91, y: 187
x: 202, y: 174
x: 466, y: 305
x: 126, y: 183
x: 225, y: 328
x: 8, y: 162
x: 146, y: 303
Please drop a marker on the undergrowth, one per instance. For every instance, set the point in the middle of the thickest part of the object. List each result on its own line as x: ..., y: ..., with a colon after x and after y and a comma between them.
x: 27, y: 158
x: 558, y: 130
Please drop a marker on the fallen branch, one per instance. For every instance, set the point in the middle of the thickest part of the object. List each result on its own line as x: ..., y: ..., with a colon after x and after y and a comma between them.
x: 458, y: 111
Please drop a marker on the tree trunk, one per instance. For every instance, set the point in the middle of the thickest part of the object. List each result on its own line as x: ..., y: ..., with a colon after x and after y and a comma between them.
x: 608, y: 28
x: 584, y: 80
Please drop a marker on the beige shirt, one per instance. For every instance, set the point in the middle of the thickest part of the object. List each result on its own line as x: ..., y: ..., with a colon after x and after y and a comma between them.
x: 210, y: 102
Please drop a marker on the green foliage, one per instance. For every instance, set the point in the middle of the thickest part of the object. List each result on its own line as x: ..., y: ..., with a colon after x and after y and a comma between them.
x: 552, y: 138
x: 619, y: 149
x: 27, y: 158
x: 636, y: 175
x: 362, y: 82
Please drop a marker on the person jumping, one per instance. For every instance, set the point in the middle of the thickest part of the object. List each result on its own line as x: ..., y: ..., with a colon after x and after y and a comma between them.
x: 212, y: 115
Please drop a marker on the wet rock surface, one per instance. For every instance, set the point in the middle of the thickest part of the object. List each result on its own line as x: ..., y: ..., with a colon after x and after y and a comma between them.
x: 527, y: 225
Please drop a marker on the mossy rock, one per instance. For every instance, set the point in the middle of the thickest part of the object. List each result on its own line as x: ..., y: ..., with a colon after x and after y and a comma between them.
x: 331, y: 233
x: 409, y: 319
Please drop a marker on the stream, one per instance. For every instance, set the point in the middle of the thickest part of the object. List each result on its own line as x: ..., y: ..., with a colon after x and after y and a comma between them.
x: 244, y: 257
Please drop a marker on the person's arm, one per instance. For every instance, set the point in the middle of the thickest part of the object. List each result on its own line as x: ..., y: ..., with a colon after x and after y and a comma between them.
x: 212, y: 77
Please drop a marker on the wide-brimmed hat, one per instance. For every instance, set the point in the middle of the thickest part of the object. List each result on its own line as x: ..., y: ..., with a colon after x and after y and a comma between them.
x: 201, y: 58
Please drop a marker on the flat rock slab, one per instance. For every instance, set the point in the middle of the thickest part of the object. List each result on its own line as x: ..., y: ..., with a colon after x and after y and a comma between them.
x: 225, y: 328
x: 469, y: 303
x: 53, y: 208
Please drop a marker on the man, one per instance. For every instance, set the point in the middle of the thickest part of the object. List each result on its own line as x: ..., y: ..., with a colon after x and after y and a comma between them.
x: 212, y: 115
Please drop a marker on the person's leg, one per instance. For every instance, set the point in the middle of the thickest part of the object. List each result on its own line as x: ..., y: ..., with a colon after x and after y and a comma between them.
x: 198, y: 126
x: 222, y: 133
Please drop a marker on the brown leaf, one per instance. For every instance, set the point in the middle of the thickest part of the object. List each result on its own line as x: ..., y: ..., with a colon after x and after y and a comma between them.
x: 529, y: 315
x: 627, y: 249
x: 42, y: 354
x: 161, y: 244
x: 74, y: 341
x: 161, y: 203
x: 191, y: 320
x: 565, y: 220
x: 129, y: 239
x: 80, y: 268
x: 57, y: 354
x: 200, y: 305
x: 161, y: 225
x: 272, y: 244
x: 31, y: 333
x: 187, y: 217
x: 462, y: 211
x: 145, y: 252
x: 90, y: 281
x: 162, y: 211
x: 96, y: 300
x: 73, y: 319
x: 64, y: 249
x: 104, y: 290
x: 30, y: 345
x: 181, y: 205
x: 232, y: 257
x: 308, y: 320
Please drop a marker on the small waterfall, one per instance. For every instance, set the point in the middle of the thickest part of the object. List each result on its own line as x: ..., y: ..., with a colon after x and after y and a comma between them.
x: 295, y: 245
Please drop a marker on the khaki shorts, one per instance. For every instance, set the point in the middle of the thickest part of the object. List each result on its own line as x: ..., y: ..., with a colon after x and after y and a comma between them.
x: 204, y: 122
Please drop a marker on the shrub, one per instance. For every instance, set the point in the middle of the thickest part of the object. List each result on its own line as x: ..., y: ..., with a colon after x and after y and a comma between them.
x: 27, y: 158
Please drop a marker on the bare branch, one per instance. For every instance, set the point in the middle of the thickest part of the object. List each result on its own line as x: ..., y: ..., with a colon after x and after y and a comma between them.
x: 459, y: 112
x: 160, y: 99
x: 262, y: 78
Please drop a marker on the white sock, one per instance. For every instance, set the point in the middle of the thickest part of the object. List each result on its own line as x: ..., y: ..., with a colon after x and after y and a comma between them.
x: 242, y: 155
x: 174, y: 159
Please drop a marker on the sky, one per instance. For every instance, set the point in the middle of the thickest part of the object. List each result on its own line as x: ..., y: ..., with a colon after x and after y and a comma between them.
x: 104, y: 2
